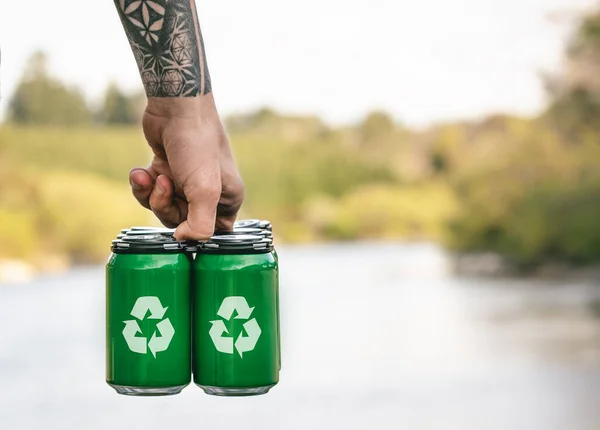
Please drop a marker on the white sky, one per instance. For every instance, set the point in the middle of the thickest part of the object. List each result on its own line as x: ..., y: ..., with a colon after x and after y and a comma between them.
x: 422, y: 60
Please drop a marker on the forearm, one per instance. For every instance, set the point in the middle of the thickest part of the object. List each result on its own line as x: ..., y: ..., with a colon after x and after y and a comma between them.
x: 167, y: 45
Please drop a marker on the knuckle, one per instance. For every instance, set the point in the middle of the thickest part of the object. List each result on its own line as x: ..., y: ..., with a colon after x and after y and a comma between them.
x: 238, y: 187
x: 227, y: 210
x: 203, y: 185
x: 209, y: 191
x: 212, y: 191
x: 233, y: 193
x: 159, y: 203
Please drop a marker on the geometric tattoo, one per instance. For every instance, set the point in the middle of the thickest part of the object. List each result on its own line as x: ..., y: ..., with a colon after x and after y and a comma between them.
x: 167, y: 45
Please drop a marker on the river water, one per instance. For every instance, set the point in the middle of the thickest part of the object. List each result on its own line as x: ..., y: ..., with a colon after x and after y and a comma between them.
x: 375, y: 336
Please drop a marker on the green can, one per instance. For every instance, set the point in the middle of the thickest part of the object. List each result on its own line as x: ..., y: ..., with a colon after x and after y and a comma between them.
x: 148, y: 316
x: 235, y: 348
x: 264, y: 229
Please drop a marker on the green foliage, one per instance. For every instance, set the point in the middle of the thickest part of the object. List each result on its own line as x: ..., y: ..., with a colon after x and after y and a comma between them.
x: 286, y: 160
x: 64, y: 191
x: 534, y: 199
x: 528, y: 189
x: 384, y: 212
x: 575, y: 105
x: 120, y: 108
x: 108, y: 152
x: 41, y: 99
x: 376, y: 126
x: 553, y: 224
x: 62, y: 214
x: 586, y: 37
x: 82, y: 213
x: 17, y: 233
x: 72, y: 182
x: 509, y: 185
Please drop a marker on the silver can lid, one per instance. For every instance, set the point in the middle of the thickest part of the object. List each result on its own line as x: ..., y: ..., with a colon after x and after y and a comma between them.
x: 246, y: 223
x: 265, y: 224
x: 163, y: 231
x: 235, y: 244
x: 148, y: 228
x: 243, y: 230
x: 147, y: 243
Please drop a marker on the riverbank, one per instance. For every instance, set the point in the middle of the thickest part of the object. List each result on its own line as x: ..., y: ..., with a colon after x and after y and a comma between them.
x: 478, y: 265
x: 491, y: 265
x: 14, y: 271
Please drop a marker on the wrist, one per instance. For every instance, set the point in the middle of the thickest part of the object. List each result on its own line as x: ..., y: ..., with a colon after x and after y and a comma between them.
x: 200, y: 107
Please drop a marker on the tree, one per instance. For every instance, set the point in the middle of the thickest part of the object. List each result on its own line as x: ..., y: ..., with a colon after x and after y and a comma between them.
x: 575, y: 92
x: 42, y: 99
x: 376, y: 126
x: 380, y: 140
x: 120, y: 108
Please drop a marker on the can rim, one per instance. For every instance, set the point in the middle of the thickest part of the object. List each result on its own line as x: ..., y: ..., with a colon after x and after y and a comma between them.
x: 242, y: 223
x: 236, y: 244
x: 148, y: 243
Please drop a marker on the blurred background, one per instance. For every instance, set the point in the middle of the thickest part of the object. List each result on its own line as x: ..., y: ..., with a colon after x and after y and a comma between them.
x: 432, y: 173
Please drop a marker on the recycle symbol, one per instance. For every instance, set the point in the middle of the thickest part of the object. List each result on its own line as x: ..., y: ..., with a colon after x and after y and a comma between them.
x: 243, y: 343
x: 165, y: 328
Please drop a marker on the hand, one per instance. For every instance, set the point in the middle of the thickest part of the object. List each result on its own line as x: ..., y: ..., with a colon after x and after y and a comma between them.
x: 192, y: 183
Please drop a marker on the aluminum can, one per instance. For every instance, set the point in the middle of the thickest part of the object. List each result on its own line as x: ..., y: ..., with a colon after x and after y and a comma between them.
x: 247, y: 223
x: 235, y: 335
x: 265, y: 225
x: 162, y: 231
x: 247, y: 231
x: 148, y: 316
x: 264, y: 229
x: 147, y: 227
x: 253, y: 223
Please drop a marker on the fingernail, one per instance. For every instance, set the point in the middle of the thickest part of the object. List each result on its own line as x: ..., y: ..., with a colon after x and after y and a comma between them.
x: 159, y: 190
x: 134, y: 184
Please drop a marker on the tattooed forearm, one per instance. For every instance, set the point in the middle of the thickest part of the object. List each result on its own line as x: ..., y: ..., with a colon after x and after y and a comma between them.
x: 167, y: 45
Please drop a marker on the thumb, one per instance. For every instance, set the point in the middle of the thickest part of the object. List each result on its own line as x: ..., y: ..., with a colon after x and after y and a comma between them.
x: 202, y: 191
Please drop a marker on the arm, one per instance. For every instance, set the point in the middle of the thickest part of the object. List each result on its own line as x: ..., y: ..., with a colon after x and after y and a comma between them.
x: 192, y: 181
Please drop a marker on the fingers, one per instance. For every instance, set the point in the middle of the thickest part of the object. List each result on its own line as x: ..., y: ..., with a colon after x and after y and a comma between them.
x: 168, y: 209
x: 141, y: 185
x: 224, y: 223
x: 188, y: 190
x: 202, y: 190
x: 232, y: 196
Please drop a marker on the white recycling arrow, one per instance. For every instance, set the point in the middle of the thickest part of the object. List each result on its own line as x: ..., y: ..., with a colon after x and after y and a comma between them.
x: 237, y: 303
x: 148, y: 303
x: 245, y: 344
x: 141, y: 345
x: 223, y: 344
x: 158, y: 344
x: 135, y: 344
